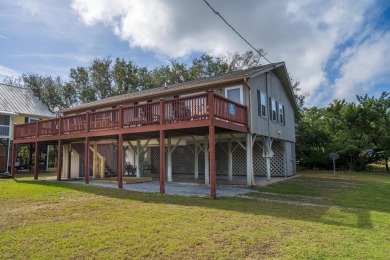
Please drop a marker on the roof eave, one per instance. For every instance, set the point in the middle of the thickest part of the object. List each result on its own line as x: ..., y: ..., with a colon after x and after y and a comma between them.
x: 157, y: 94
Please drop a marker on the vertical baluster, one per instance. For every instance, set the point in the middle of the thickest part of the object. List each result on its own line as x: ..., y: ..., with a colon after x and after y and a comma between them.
x: 161, y: 114
x: 86, y: 127
x: 120, y: 115
x: 36, y: 129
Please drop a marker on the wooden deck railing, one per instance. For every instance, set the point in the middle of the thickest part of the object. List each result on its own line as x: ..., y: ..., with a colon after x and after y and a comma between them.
x: 196, y: 107
x: 230, y: 110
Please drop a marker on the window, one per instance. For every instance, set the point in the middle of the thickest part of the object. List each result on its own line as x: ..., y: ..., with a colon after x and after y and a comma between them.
x: 262, y: 103
x: 234, y: 94
x: 30, y: 119
x: 281, y: 114
x: 4, y: 120
x: 273, y: 110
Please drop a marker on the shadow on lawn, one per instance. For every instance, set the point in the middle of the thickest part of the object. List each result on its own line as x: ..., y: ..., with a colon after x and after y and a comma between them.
x: 325, y: 215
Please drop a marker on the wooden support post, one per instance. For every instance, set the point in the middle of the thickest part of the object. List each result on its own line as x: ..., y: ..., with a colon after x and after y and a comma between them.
x: 162, y: 162
x: 95, y: 158
x: 230, y: 160
x: 120, y: 161
x: 212, y: 162
x: 196, y: 171
x: 169, y: 159
x: 59, y: 160
x: 86, y: 160
x: 137, y: 155
x: 249, y: 161
x: 206, y: 160
x: 36, y: 161
x: 69, y: 160
x: 13, y: 158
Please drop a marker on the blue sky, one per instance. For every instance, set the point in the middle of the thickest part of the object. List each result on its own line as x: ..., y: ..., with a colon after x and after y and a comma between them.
x: 337, y: 49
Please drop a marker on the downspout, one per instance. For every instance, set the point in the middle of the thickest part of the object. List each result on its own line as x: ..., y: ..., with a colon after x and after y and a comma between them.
x: 268, y: 105
x: 268, y: 142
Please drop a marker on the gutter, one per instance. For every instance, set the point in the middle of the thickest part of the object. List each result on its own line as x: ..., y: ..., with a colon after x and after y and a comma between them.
x: 268, y: 104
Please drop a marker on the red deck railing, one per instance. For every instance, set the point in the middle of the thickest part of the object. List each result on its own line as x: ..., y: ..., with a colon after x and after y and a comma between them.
x: 196, y: 107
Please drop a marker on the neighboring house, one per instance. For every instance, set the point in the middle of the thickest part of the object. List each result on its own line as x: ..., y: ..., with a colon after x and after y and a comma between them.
x: 238, y: 123
x: 17, y: 106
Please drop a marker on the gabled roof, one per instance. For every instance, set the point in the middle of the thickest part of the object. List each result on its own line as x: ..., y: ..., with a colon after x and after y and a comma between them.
x: 189, y: 85
x: 21, y: 101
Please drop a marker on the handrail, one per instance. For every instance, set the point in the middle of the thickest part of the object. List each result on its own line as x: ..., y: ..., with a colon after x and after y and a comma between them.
x: 189, y: 108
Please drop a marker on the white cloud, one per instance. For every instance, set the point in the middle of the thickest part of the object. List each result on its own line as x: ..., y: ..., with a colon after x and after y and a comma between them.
x: 364, y: 65
x: 30, y: 5
x: 303, y: 33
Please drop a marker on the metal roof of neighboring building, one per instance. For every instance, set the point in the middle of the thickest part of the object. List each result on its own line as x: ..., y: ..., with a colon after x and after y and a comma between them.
x: 21, y: 101
x: 235, y: 75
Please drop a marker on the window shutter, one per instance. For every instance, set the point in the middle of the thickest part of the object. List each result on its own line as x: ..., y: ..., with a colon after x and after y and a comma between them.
x: 270, y: 108
x: 258, y: 102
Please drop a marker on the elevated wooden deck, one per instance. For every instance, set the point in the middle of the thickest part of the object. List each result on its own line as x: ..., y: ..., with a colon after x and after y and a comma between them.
x: 189, y: 112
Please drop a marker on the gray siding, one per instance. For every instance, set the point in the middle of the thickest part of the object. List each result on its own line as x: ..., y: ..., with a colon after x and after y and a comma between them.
x: 263, y: 125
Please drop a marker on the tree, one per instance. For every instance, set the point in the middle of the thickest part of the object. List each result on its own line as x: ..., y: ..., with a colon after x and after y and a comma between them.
x: 101, y: 77
x: 46, y: 89
x: 69, y: 95
x: 79, y: 78
x: 13, y: 81
x: 124, y: 75
x: 377, y: 125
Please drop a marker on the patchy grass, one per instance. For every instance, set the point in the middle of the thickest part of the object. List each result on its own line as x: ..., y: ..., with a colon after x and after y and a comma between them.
x: 48, y: 219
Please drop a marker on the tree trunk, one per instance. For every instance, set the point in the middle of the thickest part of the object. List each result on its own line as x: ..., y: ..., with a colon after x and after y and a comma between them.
x: 387, y: 165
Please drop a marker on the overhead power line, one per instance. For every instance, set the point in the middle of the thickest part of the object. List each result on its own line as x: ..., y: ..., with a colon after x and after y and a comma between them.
x: 217, y: 13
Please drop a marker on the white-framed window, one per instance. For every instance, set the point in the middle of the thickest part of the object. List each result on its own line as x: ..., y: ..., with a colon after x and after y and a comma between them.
x: 4, y: 125
x: 282, y: 117
x: 273, y: 110
x: 261, y: 103
x: 235, y: 94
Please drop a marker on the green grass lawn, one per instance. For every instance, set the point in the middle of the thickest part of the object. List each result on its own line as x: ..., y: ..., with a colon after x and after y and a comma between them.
x: 347, y: 216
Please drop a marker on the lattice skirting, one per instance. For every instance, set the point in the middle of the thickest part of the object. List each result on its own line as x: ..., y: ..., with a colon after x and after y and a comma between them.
x: 282, y: 163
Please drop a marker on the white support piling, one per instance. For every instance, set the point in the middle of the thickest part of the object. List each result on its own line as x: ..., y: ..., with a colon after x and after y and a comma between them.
x: 249, y: 163
x: 230, y: 160
x: 196, y: 170
x: 169, y: 160
x: 206, y: 160
x: 137, y: 154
